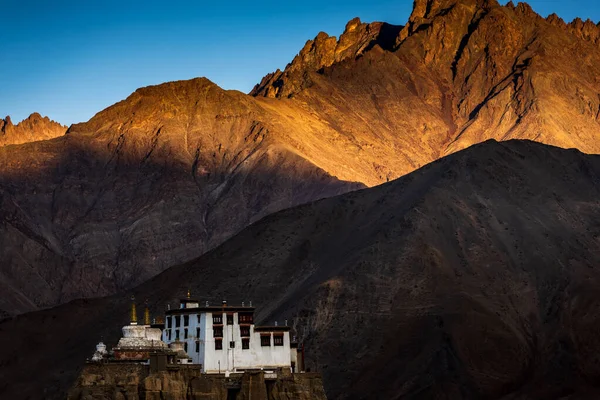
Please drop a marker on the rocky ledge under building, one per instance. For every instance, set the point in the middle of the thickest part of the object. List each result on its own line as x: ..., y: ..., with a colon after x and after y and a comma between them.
x: 129, y: 381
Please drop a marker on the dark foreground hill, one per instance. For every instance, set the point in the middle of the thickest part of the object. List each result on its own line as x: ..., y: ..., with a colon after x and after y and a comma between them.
x: 476, y: 276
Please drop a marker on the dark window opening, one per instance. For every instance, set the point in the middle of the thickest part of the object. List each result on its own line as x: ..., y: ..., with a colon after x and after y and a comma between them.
x: 218, y: 331
x: 244, y: 330
x: 218, y: 345
x: 198, y: 318
x: 233, y: 394
x: 278, y: 340
x: 232, y: 344
x: 185, y: 346
x: 245, y: 318
x: 176, y: 334
x: 177, y: 321
x: 265, y: 340
x: 169, y: 322
x: 185, y: 333
x: 217, y: 319
x: 229, y: 319
x: 197, y: 332
x: 197, y: 347
x: 245, y: 343
x: 186, y: 320
x: 169, y: 334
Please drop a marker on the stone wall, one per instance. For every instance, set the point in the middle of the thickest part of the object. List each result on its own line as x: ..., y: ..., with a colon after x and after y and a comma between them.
x: 135, y: 382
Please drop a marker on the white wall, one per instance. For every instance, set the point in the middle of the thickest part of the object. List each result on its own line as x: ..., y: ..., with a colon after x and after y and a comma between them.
x: 196, y: 356
x: 228, y: 358
x: 256, y: 356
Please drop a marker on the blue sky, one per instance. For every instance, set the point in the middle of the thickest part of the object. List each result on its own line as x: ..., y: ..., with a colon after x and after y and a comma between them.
x: 69, y: 59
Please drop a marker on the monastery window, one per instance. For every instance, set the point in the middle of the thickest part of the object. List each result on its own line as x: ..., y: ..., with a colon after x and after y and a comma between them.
x: 217, y: 319
x: 176, y: 334
x: 229, y: 319
x: 278, y: 340
x: 244, y: 330
x: 169, y: 334
x: 198, y: 318
x: 185, y: 346
x: 245, y: 318
x: 265, y: 340
x: 218, y: 344
x: 177, y: 321
x: 186, y: 320
x: 218, y: 331
x: 197, y: 332
x: 169, y: 322
x: 197, y: 347
x: 245, y: 343
x: 185, y: 333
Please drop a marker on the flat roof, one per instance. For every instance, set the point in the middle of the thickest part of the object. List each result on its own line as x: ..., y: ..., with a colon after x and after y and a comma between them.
x: 196, y: 310
x: 271, y: 328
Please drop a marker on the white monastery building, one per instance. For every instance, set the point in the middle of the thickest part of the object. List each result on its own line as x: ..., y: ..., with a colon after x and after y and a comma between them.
x: 224, y: 338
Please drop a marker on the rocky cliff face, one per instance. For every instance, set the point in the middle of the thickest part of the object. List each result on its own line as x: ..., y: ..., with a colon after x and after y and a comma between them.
x: 176, y: 169
x: 132, y: 382
x: 466, y: 69
x: 33, y: 128
x: 473, y: 277
x: 324, y: 51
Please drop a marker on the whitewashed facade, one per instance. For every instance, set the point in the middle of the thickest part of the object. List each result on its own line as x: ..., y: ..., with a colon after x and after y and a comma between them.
x: 223, y: 338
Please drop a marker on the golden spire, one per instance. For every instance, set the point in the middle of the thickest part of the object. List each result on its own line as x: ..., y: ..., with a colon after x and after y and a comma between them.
x: 189, y: 294
x: 147, y: 314
x: 133, y: 311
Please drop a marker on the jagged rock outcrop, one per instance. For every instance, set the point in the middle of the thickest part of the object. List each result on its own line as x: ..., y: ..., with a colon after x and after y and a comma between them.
x: 33, y: 128
x: 473, y: 277
x: 132, y: 382
x: 323, y: 52
x: 585, y: 30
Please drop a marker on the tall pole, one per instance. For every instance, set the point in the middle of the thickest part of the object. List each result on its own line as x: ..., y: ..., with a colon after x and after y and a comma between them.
x: 133, y: 311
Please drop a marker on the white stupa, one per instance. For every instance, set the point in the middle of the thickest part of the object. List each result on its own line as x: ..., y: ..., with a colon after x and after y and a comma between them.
x: 100, y: 352
x: 138, y: 340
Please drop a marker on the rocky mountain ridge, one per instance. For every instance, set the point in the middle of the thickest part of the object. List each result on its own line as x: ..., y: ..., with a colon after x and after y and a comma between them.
x: 33, y: 128
x: 323, y: 52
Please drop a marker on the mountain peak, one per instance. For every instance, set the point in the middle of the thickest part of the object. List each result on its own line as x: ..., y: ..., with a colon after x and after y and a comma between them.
x: 31, y: 129
x: 586, y: 30
x: 429, y: 8
x: 324, y: 51
x: 5, y: 122
x: 352, y: 25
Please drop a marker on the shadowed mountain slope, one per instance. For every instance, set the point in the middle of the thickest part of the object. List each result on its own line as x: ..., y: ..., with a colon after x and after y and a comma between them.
x: 176, y: 169
x: 33, y: 128
x: 473, y: 277
x: 153, y: 181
